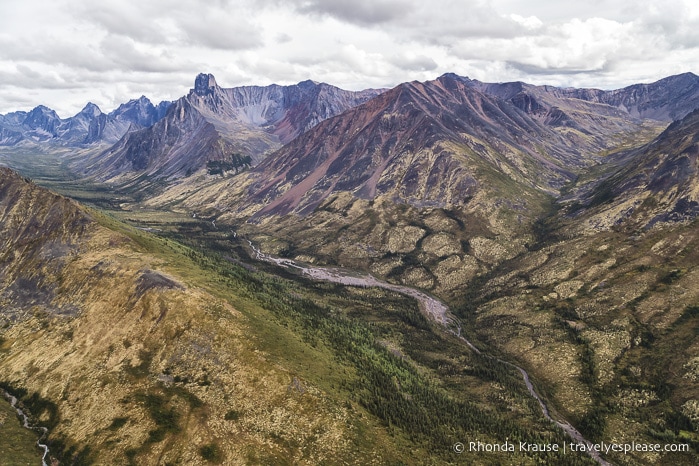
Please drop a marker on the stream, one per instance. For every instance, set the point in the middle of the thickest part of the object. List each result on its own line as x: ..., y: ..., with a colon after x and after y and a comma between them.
x: 26, y: 425
x: 434, y: 309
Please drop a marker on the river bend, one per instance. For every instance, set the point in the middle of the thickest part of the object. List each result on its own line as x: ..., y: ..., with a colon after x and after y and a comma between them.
x: 434, y: 309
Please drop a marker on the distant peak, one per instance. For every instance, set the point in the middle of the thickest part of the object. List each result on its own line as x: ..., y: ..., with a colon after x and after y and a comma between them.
x: 683, y: 78
x: 141, y: 101
x: 90, y: 108
x: 688, y: 74
x: 308, y: 83
x: 42, y: 109
x: 455, y: 77
x: 204, y: 83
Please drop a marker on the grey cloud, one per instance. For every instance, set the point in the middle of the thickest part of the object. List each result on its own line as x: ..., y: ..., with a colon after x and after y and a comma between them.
x: 436, y: 23
x: 361, y: 12
x: 16, y: 101
x: 123, y: 52
x: 458, y: 20
x: 219, y: 25
x: 110, y: 51
x: 557, y: 11
x: 28, y: 72
x: 530, y: 69
x: 672, y: 23
x: 27, y: 77
x: 221, y: 30
x: 59, y: 51
x: 127, y: 19
x: 283, y: 38
x: 416, y: 63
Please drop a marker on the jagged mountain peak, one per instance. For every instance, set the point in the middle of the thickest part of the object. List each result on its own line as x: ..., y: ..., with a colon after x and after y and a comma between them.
x: 42, y: 125
x: 310, y: 83
x: 141, y: 101
x: 455, y: 77
x: 90, y: 110
x: 204, y: 84
x: 42, y: 110
x: 140, y: 111
x: 43, y: 119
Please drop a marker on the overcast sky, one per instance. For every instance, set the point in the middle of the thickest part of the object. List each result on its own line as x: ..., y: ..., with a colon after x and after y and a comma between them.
x: 64, y: 53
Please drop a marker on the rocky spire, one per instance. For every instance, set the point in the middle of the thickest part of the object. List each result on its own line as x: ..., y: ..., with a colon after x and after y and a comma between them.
x: 204, y: 84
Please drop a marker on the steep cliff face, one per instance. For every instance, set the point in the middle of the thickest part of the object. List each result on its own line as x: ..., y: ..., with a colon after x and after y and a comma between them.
x: 10, y: 137
x: 283, y: 111
x: 42, y: 122
x: 77, y: 129
x: 130, y: 116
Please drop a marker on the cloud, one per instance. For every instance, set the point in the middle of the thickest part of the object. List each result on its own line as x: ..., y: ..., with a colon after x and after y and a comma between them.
x: 676, y: 23
x: 412, y: 62
x: 23, y: 76
x: 125, y: 53
x: 576, y: 46
x: 220, y: 30
x: 208, y: 24
x: 359, y: 12
x: 139, y: 21
x: 362, y: 12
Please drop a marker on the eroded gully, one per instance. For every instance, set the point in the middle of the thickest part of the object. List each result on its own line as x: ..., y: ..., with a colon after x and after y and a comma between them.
x: 435, y: 310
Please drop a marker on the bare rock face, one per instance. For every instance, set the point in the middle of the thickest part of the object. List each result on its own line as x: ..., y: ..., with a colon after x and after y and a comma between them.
x: 180, y: 141
x: 43, y: 121
x: 668, y: 99
x: 204, y: 84
x: 140, y: 112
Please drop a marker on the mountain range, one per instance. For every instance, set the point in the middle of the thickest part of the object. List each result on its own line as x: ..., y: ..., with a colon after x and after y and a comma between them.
x: 558, y: 224
x: 211, y: 123
x: 42, y: 125
x: 491, y: 155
